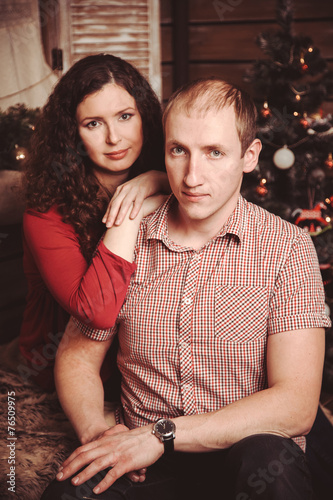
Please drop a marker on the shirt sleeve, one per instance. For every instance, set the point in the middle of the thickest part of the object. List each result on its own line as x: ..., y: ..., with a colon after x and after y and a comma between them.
x: 91, y: 293
x: 298, y: 300
x: 96, y: 334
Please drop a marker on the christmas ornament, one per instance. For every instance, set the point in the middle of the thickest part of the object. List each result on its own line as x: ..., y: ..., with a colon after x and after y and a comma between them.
x: 329, y: 161
x: 261, y: 189
x: 311, y: 220
x: 298, y: 93
x: 20, y: 155
x: 304, y: 121
x: 284, y: 158
x: 265, y: 111
x: 327, y: 309
x: 304, y: 66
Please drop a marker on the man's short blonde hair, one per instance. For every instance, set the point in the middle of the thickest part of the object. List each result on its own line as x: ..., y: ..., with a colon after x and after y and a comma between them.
x: 214, y: 94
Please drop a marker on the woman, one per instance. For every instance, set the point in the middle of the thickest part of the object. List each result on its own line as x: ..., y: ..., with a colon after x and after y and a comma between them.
x: 100, y: 128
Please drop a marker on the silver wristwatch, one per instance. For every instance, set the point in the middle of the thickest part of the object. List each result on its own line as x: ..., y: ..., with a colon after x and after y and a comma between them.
x: 164, y: 429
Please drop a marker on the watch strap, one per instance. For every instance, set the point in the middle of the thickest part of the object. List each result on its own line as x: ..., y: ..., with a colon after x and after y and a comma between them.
x: 168, y: 445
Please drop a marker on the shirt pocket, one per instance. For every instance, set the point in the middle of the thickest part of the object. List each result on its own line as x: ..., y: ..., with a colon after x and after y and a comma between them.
x: 241, y: 313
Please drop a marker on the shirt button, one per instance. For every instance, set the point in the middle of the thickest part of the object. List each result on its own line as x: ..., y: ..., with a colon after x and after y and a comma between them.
x: 187, y: 301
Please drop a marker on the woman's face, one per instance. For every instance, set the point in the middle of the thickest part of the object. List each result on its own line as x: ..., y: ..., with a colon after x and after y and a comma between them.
x: 110, y: 127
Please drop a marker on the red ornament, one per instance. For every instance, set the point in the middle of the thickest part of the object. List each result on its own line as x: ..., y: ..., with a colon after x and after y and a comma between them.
x: 329, y: 161
x: 265, y: 111
x: 304, y: 66
x: 261, y: 189
x: 304, y: 121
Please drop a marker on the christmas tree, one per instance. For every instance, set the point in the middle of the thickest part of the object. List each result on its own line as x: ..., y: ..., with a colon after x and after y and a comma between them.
x: 17, y: 124
x: 294, y: 178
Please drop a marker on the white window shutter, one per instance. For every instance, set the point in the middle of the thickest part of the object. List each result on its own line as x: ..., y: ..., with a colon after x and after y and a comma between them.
x: 124, y: 28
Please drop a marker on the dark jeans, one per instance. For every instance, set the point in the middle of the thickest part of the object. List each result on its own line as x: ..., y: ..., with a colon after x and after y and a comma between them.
x: 263, y: 467
x: 319, y: 453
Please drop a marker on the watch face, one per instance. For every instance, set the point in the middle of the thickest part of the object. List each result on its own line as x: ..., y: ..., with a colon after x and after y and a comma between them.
x: 165, y: 427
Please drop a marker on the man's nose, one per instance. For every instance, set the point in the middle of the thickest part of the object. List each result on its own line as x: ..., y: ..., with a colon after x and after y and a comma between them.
x: 193, y: 175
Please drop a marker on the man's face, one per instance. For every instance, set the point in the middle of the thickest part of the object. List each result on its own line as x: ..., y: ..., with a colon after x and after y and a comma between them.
x: 204, y: 164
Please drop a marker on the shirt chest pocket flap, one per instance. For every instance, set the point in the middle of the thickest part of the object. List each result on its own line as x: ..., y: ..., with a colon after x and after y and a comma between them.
x: 240, y: 313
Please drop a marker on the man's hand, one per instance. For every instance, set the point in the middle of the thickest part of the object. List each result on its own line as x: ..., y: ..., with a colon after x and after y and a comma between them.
x: 135, y: 476
x: 126, y: 451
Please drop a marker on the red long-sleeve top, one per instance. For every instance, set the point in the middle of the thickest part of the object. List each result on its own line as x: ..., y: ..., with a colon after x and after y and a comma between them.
x: 62, y: 283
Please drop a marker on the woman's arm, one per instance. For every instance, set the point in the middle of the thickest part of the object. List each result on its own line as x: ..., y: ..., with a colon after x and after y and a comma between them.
x: 134, y: 192
x: 92, y: 293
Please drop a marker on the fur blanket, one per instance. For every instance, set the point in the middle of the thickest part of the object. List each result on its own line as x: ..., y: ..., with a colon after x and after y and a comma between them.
x: 44, y: 438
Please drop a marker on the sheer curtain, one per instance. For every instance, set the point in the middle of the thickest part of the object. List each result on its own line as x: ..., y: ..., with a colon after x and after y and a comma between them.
x: 25, y: 77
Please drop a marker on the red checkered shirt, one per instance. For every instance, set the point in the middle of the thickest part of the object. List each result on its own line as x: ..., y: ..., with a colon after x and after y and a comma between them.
x: 193, y: 328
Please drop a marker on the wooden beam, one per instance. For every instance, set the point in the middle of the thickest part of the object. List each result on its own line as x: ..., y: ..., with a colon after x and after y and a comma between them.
x: 180, y: 43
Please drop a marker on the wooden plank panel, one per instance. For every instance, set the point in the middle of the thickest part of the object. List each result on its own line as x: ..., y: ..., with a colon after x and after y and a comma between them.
x: 139, y: 59
x: 119, y: 27
x: 167, y: 81
x: 107, y: 20
x: 232, y: 72
x: 140, y: 62
x: 89, y: 10
x: 166, y: 11
x: 113, y: 37
x: 166, y: 44
x: 228, y: 42
x: 114, y: 4
x: 138, y: 51
x: 241, y: 10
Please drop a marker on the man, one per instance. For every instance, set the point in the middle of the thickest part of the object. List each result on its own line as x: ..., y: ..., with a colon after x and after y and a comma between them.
x: 221, y: 334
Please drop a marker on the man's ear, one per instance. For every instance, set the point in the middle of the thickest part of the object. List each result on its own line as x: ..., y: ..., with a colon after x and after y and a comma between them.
x: 251, y: 156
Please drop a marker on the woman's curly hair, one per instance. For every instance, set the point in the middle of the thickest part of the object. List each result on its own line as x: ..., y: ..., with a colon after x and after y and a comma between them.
x: 59, y: 171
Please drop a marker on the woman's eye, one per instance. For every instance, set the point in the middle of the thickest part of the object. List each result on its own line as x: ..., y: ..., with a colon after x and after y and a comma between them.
x: 92, y: 124
x: 125, y: 116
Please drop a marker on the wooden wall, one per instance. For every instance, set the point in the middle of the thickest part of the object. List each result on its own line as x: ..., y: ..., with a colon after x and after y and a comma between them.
x: 221, y: 35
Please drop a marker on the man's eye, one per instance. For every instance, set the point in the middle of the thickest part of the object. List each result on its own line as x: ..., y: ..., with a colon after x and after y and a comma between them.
x: 215, y: 153
x: 177, y: 151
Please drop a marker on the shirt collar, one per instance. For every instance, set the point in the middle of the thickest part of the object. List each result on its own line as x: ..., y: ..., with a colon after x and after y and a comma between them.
x: 157, y: 224
x: 237, y: 220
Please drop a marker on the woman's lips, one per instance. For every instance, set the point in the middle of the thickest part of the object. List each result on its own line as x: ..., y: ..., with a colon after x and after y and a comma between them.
x: 117, y: 155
